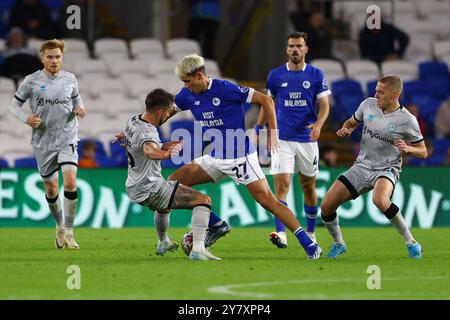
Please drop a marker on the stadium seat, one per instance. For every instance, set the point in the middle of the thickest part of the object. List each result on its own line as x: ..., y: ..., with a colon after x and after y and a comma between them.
x: 75, y: 45
x: 441, y: 145
x: 346, y: 87
x: 431, y: 69
x: 3, y: 163
x: 332, y: 69
x: 348, y: 103
x: 117, y: 67
x: 414, y: 87
x: 165, y: 66
x: 107, y: 86
x: 440, y: 86
x: 371, y: 86
x: 405, y: 70
x: 118, y: 154
x: 35, y: 43
x: 29, y: 162
x: 146, y: 47
x: 110, y: 45
x: 7, y: 86
x: 212, y: 68
x: 363, y: 71
x: 86, y: 68
x: 431, y: 6
x: 419, y: 49
x: 179, y: 47
x: 441, y: 48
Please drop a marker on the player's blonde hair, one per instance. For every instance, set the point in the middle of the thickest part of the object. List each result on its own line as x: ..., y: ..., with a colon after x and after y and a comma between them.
x: 53, y: 44
x: 392, y: 81
x: 190, y: 65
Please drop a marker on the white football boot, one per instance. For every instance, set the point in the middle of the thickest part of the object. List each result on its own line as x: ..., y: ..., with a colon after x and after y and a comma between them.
x: 59, y: 239
x: 70, y: 242
x: 167, y: 245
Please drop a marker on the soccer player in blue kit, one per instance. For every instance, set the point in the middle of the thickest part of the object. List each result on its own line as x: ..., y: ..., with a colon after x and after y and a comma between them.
x: 219, y: 106
x: 297, y: 87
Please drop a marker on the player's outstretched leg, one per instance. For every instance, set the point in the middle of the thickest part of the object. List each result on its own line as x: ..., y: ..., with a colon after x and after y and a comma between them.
x: 278, y: 238
x: 338, y: 248
x: 165, y: 244
x: 217, y: 228
x: 200, y: 217
x: 261, y: 193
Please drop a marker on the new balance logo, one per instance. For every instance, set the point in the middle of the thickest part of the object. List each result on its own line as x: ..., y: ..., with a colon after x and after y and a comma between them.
x: 196, y: 103
x: 284, y: 84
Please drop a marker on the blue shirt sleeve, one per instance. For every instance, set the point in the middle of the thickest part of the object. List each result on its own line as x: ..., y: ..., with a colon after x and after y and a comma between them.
x: 237, y: 93
x: 270, y: 85
x: 321, y: 84
x: 180, y: 101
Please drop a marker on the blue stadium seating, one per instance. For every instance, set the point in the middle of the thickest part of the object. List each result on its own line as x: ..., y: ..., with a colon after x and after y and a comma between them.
x: 3, y: 163
x: 348, y: 103
x: 441, y: 145
x: 413, y: 87
x: 431, y: 69
x: 118, y: 154
x: 339, y: 87
x: 371, y: 85
x: 29, y: 162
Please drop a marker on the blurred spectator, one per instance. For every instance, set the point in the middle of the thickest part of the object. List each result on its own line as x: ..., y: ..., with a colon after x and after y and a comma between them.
x: 300, y: 17
x: 33, y: 17
x: 315, y: 24
x: 320, y: 41
x: 412, y: 108
x: 19, y: 59
x: 203, y: 24
x: 88, y: 155
x: 387, y: 43
x: 82, y: 33
x: 442, y: 122
x: 328, y: 156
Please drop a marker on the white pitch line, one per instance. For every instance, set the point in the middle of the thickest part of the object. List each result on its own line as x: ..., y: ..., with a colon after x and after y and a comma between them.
x: 229, y: 289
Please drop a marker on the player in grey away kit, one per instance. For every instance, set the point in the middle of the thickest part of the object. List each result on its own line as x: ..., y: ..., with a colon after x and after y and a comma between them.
x: 387, y: 127
x: 55, y: 102
x: 146, y: 186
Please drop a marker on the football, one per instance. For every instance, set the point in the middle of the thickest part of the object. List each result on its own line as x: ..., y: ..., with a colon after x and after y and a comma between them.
x: 186, y: 242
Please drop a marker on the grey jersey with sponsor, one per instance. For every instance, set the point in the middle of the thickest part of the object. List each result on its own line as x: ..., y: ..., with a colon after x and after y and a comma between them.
x: 143, y: 173
x: 379, y: 133
x: 53, y: 99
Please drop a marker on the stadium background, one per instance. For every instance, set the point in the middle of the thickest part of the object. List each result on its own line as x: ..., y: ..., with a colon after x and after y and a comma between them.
x: 129, y: 47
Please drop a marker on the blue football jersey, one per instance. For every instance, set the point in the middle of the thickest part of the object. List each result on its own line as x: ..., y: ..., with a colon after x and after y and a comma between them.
x: 220, y: 108
x: 296, y: 93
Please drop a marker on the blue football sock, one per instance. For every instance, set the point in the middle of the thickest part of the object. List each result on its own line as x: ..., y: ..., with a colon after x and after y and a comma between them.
x: 303, y: 238
x: 213, y: 219
x: 311, y: 215
x: 279, y: 226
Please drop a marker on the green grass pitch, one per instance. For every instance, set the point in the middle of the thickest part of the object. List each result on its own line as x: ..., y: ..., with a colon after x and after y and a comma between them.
x: 122, y: 264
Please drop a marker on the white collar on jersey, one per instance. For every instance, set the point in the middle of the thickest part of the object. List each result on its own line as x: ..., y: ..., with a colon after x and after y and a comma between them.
x: 210, y: 83
x: 304, y: 66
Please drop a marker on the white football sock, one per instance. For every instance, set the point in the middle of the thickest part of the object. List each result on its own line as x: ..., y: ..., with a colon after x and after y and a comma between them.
x: 334, y: 230
x: 399, y: 224
x: 200, y: 219
x: 162, y: 221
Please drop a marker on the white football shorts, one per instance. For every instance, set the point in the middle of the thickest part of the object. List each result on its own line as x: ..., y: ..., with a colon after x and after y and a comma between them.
x: 295, y: 157
x: 243, y: 170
